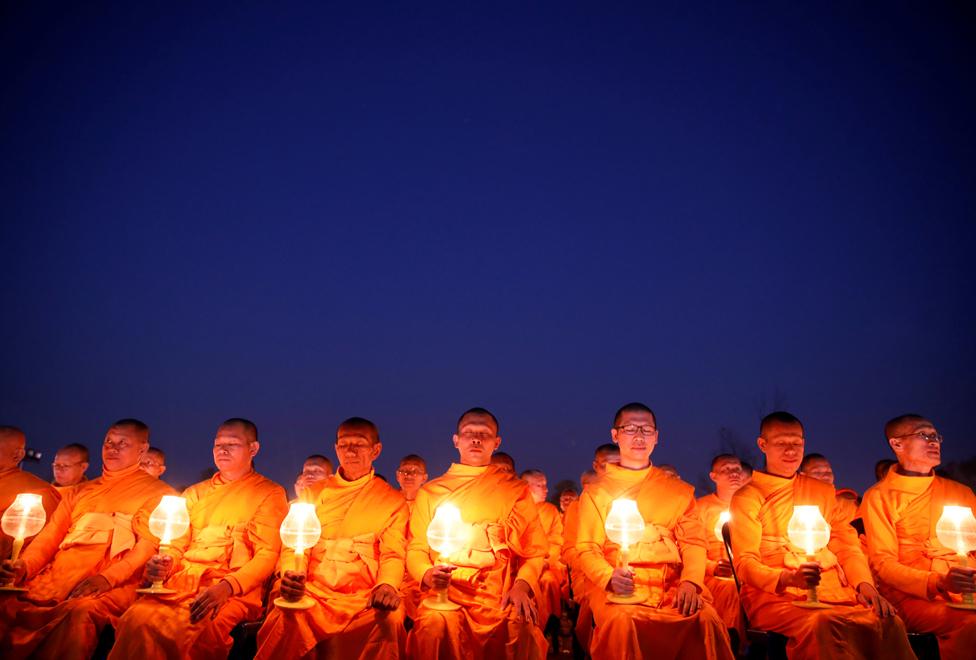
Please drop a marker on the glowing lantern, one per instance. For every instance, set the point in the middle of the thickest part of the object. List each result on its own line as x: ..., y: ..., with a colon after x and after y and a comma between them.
x: 168, y: 521
x: 723, y: 518
x: 300, y: 530
x: 446, y: 534
x: 625, y: 527
x: 22, y: 519
x: 956, y: 529
x: 808, y: 530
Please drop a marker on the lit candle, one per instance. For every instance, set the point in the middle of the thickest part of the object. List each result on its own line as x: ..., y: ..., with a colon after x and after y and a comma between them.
x: 168, y: 521
x: 446, y: 534
x: 300, y: 530
x: 808, y: 530
x: 956, y: 529
x: 22, y: 519
x: 625, y: 527
x: 723, y: 518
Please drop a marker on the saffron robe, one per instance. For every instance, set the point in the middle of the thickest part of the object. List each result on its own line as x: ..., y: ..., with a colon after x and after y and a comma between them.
x: 362, y: 546
x: 233, y: 536
x: 724, y: 593
x: 672, y: 550
x: 410, y: 590
x: 506, y: 543
x: 761, y: 511
x: 14, y: 482
x: 900, y: 514
x: 549, y: 598
x: 577, y: 578
x: 99, y: 528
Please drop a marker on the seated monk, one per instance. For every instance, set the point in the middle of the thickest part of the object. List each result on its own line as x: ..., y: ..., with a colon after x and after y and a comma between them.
x: 154, y: 462
x: 727, y: 475
x: 315, y: 470
x: 774, y: 573
x: 82, y: 570
x: 915, y: 571
x: 70, y: 465
x: 549, y: 599
x: 816, y: 466
x: 497, y: 618
x: 504, y: 462
x: 219, y: 567
x: 14, y: 481
x: 667, y: 566
x: 354, y: 571
x: 566, y: 497
x: 411, y: 474
x: 604, y: 455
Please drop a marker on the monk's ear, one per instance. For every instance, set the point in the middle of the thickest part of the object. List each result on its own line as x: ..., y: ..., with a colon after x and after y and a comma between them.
x: 19, y: 454
x: 613, y: 436
x: 253, y: 448
x: 375, y: 451
x: 498, y: 443
x: 456, y: 439
x: 895, y: 444
x: 761, y: 443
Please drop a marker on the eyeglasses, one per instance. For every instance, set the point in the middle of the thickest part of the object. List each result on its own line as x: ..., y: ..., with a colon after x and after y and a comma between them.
x: 477, y: 435
x: 634, y: 429
x: 410, y: 473
x: 924, y: 437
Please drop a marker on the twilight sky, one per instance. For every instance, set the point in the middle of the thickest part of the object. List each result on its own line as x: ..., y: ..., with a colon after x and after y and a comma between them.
x: 303, y: 213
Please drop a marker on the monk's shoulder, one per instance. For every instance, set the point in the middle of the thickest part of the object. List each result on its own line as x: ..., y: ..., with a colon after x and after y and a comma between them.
x: 954, y: 489
x: 265, y: 488
x: 673, y: 488
x: 385, y: 495
x: 153, y: 487
x: 26, y: 482
x: 746, y: 495
x: 816, y: 489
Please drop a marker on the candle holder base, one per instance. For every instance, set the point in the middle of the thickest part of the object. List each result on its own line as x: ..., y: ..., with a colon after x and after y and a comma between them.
x: 811, y: 605
x: 7, y: 587
x: 962, y: 606
x: 156, y: 591
x: 303, y: 603
x: 434, y: 603
x: 639, y: 596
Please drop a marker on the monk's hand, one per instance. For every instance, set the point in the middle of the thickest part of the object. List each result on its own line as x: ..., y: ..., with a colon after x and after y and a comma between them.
x: 384, y: 597
x: 210, y: 601
x: 806, y: 576
x: 158, y: 568
x: 12, y: 572
x: 438, y: 577
x: 723, y: 568
x: 868, y: 596
x: 622, y: 581
x: 521, y: 600
x: 90, y: 586
x: 959, y: 580
x: 292, y: 586
x: 687, y: 600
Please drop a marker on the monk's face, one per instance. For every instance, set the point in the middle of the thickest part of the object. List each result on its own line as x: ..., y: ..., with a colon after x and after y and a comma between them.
x: 476, y: 439
x: 602, y: 458
x: 234, y: 450
x: 917, y: 445
x: 783, y: 446
x: 636, y: 436
x: 12, y: 449
x: 68, y: 467
x: 566, y: 498
x: 728, y: 475
x: 538, y: 487
x: 154, y: 464
x: 314, y: 470
x: 123, y: 447
x: 819, y: 469
x: 411, y: 475
x: 356, y: 454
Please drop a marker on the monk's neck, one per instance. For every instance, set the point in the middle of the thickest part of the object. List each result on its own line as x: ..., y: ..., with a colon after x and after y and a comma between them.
x: 914, y: 470
x: 353, y: 476
x: 635, y: 463
x: 777, y: 471
x: 724, y: 494
x: 228, y: 476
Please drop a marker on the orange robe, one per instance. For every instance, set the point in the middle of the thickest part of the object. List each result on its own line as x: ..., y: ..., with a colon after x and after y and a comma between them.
x: 505, y: 533
x: 900, y: 514
x: 410, y: 589
x: 99, y: 528
x: 672, y: 550
x: 363, y: 543
x: 549, y: 598
x: 577, y: 578
x: 233, y: 536
x: 761, y: 511
x: 724, y: 593
x: 15, y: 481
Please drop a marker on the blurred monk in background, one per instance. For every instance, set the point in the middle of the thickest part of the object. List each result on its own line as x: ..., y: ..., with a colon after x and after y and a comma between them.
x: 154, y: 462
x: 315, y: 470
x: 549, y: 599
x: 69, y: 465
x: 14, y: 481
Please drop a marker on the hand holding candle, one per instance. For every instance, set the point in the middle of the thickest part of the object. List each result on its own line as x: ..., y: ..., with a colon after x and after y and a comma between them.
x: 809, y: 531
x: 168, y: 521
x: 625, y: 527
x: 956, y: 529
x: 22, y: 519
x: 300, y: 530
x: 446, y: 534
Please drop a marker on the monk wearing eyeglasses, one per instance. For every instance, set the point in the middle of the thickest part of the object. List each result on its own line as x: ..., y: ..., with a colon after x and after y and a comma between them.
x: 411, y: 474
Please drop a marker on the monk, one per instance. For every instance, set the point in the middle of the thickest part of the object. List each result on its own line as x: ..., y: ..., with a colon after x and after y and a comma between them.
x: 881, y: 468
x: 498, y: 617
x: 669, y: 470
x: 354, y: 571
x: 566, y: 497
x: 219, y: 567
x: 13, y: 480
x: 69, y: 466
x: 727, y: 475
x: 774, y: 573
x: 915, y: 571
x: 154, y: 462
x: 667, y: 565
x: 816, y: 466
x: 315, y: 470
x: 505, y: 462
x: 411, y: 474
x: 604, y: 455
x: 553, y: 576
x: 82, y: 570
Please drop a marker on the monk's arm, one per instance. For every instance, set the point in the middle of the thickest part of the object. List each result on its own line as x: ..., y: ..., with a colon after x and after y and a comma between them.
x: 393, y: 548
x: 690, y: 535
x: 746, y: 537
x: 262, y: 532
x: 50, y: 498
x: 555, y: 541
x: 590, y: 539
x: 569, y: 554
x: 528, y: 539
x: 845, y: 544
x: 44, y: 546
x: 418, y: 552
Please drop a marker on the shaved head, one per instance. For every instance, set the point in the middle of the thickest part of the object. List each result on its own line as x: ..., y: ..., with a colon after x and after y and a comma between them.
x: 778, y: 418
x: 358, y: 426
x: 482, y: 413
x: 13, y: 446
x: 635, y: 407
x: 75, y: 449
x: 248, y: 428
x: 502, y: 459
x: 138, y: 429
x: 904, y: 424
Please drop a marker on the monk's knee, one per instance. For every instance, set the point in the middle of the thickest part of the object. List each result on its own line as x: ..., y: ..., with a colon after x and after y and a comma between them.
x: 432, y: 624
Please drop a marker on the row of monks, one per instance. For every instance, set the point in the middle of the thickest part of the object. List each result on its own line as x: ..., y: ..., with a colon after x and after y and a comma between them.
x: 372, y: 576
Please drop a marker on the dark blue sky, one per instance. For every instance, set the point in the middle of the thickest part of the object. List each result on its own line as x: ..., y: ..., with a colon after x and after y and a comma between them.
x: 305, y: 213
